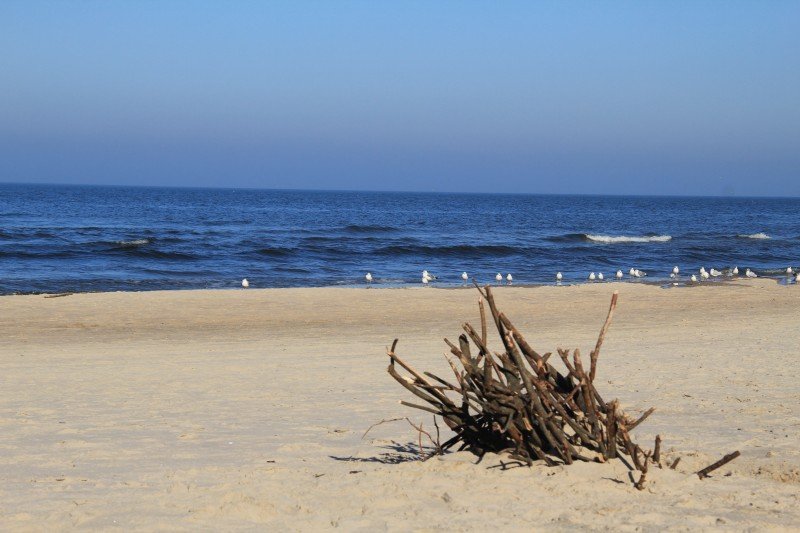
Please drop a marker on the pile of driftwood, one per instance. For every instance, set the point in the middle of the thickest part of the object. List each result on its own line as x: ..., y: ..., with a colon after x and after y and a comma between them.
x: 515, y: 401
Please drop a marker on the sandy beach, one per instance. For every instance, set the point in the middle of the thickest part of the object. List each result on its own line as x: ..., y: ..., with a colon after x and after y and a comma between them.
x: 245, y: 409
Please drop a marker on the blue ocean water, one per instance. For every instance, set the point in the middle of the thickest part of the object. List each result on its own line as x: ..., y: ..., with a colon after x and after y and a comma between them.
x: 86, y: 238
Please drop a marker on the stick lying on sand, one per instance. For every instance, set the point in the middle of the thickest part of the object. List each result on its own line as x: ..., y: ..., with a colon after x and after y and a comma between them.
x: 722, y: 462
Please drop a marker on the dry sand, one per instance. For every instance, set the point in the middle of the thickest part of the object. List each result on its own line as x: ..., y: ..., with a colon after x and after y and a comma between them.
x: 217, y: 410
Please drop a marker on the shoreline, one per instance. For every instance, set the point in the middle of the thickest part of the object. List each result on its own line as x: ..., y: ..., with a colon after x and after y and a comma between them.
x: 661, y: 283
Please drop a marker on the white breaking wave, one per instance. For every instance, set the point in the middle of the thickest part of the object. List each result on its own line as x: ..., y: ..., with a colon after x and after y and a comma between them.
x: 612, y: 239
x: 137, y: 242
x: 761, y: 235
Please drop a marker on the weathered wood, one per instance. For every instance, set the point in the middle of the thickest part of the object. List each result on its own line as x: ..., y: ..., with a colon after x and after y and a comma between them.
x: 515, y: 401
x: 722, y: 462
x: 595, y: 355
x: 657, y: 451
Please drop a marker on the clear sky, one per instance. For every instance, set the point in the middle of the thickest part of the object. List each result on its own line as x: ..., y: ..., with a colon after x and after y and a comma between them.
x: 679, y: 97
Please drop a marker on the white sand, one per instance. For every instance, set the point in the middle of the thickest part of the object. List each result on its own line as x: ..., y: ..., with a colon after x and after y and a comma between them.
x: 245, y: 409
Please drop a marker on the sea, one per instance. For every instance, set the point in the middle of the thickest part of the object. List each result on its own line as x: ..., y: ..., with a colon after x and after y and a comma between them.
x: 60, y: 238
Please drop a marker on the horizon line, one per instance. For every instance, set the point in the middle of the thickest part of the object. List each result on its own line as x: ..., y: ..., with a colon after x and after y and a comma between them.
x: 387, y: 191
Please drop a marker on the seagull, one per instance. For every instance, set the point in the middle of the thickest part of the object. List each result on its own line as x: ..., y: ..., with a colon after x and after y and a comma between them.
x: 600, y: 276
x: 368, y: 277
x: 632, y: 272
x: 694, y: 278
x: 639, y: 273
x: 499, y: 277
x: 591, y: 276
x: 464, y: 276
x: 509, y: 279
x: 789, y: 270
x: 425, y: 280
x: 245, y: 283
x: 735, y: 271
x: 676, y: 270
x: 750, y: 274
x: 715, y: 272
x: 559, y: 277
x: 619, y: 274
x: 703, y: 273
x: 430, y: 277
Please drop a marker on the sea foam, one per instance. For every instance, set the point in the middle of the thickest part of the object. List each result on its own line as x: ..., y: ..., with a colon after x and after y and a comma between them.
x: 761, y: 235
x: 136, y: 242
x: 613, y: 239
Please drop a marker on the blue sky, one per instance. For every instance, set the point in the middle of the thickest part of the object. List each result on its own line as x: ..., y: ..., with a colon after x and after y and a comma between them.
x: 546, y: 97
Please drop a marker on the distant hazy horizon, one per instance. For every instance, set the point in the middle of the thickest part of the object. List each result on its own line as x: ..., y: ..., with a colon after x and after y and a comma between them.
x: 399, y: 191
x: 695, y: 98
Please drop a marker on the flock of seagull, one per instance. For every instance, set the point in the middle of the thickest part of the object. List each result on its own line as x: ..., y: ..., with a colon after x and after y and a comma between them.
x: 703, y: 274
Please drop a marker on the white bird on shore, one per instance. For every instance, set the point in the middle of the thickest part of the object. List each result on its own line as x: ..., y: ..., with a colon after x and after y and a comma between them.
x: 600, y: 276
x: 592, y: 276
x: 693, y: 278
x: 464, y: 276
x: 632, y: 272
x: 789, y: 270
x: 703, y: 273
x: 716, y: 273
x: 368, y: 277
x: 619, y: 274
x: 559, y: 277
x: 797, y: 278
x: 425, y: 280
x: 750, y: 274
x: 430, y: 277
x: 639, y: 273
x: 499, y: 277
x: 245, y: 283
x: 509, y: 279
x: 735, y: 271
x: 676, y: 270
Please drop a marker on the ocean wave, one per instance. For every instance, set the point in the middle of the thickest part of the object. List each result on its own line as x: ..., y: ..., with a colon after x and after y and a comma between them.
x: 37, y: 254
x: 339, y: 239
x: 608, y: 239
x: 463, y: 250
x: 276, y: 251
x: 761, y: 235
x: 368, y: 228
x: 133, y: 243
x: 614, y: 239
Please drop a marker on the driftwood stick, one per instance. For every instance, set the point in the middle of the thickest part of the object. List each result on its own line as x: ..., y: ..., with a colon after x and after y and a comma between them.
x: 484, y: 334
x: 420, y: 407
x: 640, y: 484
x: 524, y: 346
x: 444, y: 383
x: 611, y: 430
x: 702, y: 474
x: 657, y: 451
x: 641, y: 419
x: 596, y: 353
x: 439, y: 395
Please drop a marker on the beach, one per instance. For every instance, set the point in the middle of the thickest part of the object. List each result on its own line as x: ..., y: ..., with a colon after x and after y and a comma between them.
x: 241, y: 409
